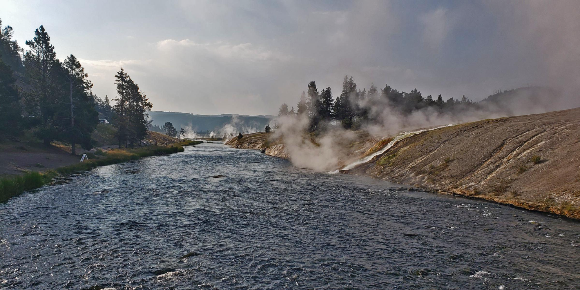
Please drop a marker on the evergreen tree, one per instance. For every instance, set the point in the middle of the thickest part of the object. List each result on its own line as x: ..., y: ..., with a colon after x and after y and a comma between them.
x: 83, y: 117
x: 104, y: 108
x: 45, y: 90
x: 283, y: 110
x: 313, y: 101
x: 302, y: 107
x: 139, y: 107
x: 360, y: 112
x: 169, y: 129
x: 440, y: 102
x: 343, y: 110
x: 326, y: 103
x: 121, y: 120
x: 429, y: 101
x: 394, y: 97
x: 131, y: 111
x: 373, y: 92
x: 314, y: 106
x: 9, y: 49
x: 10, y: 119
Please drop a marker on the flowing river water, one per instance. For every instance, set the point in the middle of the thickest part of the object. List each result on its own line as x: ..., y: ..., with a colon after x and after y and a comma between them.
x: 219, y: 218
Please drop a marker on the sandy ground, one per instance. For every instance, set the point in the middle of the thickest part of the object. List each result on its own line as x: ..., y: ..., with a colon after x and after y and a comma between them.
x: 14, y: 161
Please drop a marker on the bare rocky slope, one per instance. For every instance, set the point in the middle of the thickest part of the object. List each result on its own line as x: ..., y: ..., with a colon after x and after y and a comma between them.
x: 529, y: 161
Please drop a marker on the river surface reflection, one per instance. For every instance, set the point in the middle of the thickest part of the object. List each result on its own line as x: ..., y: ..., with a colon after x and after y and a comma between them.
x: 219, y: 218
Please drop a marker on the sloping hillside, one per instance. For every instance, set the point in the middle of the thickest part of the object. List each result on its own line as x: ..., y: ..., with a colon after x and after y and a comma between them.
x: 529, y: 161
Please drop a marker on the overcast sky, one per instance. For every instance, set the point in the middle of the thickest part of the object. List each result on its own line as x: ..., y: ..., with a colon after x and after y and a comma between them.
x: 248, y: 57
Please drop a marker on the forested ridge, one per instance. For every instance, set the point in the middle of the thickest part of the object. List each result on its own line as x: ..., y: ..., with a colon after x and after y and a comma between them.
x: 355, y: 108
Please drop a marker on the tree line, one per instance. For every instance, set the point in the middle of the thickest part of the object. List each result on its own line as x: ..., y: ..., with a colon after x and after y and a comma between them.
x: 355, y: 107
x: 54, y: 100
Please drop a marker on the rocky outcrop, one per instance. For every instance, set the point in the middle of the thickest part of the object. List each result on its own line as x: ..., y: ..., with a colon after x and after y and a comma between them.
x: 259, y: 141
x: 527, y: 161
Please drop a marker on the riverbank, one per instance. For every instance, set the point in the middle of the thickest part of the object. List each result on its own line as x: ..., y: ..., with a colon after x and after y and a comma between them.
x: 531, y: 162
x: 11, y: 186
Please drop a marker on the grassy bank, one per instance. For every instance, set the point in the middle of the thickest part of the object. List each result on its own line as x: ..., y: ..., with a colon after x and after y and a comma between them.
x: 14, y: 186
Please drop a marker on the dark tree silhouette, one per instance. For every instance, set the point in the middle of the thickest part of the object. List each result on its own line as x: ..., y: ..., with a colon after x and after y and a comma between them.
x: 283, y: 110
x: 302, y: 107
x: 83, y: 117
x: 44, y: 83
x: 169, y: 129
x: 131, y: 111
x: 10, y: 119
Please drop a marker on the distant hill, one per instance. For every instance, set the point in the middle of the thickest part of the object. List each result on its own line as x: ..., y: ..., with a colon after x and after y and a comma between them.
x: 523, y: 101
x: 226, y: 124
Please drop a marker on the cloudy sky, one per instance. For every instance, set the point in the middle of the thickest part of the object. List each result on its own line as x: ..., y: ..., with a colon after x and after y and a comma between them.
x: 248, y: 57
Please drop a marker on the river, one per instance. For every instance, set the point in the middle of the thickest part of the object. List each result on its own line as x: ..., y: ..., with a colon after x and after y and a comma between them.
x: 219, y: 218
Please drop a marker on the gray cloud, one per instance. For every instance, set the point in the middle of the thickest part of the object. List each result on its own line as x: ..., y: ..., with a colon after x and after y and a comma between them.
x: 248, y: 57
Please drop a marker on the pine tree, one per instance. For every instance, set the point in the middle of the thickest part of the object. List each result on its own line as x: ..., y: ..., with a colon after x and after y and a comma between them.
x: 121, y: 120
x: 314, y: 106
x: 283, y: 110
x: 104, y: 108
x: 440, y: 103
x: 131, y: 111
x: 10, y: 119
x: 343, y: 110
x: 373, y: 92
x: 302, y: 107
x: 83, y: 115
x: 169, y: 129
x: 9, y: 49
x: 45, y: 89
x: 326, y: 102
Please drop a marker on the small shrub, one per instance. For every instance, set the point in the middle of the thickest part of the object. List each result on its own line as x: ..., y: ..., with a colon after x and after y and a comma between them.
x: 536, y: 159
x: 436, y: 170
x: 387, y: 160
x: 522, y: 169
x: 500, y: 188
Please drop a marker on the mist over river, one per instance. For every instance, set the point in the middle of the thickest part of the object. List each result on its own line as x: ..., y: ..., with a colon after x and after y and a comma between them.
x: 219, y: 218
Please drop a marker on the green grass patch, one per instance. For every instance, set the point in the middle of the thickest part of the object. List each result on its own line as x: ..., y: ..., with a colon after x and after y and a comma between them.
x: 13, y: 186
x: 387, y: 160
x: 435, y: 170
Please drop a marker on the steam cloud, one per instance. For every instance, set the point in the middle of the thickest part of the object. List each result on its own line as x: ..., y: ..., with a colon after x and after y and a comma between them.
x: 540, y: 45
x: 330, y: 150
